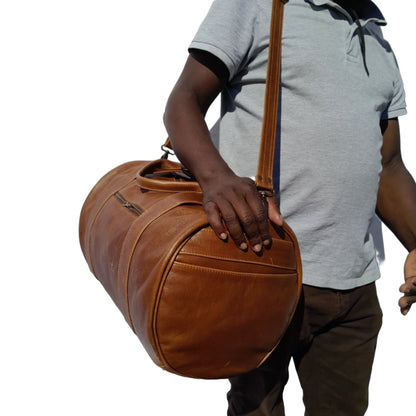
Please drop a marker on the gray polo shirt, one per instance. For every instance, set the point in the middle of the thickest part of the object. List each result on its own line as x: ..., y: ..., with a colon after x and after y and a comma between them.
x: 329, y: 130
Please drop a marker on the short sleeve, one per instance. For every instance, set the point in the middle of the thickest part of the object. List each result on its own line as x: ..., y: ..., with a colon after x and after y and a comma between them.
x: 397, y: 105
x: 227, y: 32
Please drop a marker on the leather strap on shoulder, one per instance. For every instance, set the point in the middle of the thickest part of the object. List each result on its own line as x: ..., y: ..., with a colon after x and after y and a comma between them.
x: 264, y: 178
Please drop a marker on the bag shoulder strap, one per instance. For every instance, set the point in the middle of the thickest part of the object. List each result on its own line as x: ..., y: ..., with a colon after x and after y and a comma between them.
x: 264, y: 178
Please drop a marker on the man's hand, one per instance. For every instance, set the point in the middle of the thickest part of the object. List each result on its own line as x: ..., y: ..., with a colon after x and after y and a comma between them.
x: 233, y: 206
x: 409, y: 287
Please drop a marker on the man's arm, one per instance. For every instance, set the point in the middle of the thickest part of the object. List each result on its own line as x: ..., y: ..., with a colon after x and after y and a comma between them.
x: 232, y: 203
x: 396, y: 205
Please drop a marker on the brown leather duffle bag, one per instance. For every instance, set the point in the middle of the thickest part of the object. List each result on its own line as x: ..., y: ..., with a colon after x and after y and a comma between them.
x: 200, y: 306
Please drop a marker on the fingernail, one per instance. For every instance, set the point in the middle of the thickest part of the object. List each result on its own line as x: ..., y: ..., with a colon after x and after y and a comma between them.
x: 257, y: 248
x: 266, y: 242
x: 243, y: 246
x: 223, y: 236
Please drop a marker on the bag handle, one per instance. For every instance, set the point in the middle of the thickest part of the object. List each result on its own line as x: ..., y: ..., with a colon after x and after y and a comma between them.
x: 264, y: 177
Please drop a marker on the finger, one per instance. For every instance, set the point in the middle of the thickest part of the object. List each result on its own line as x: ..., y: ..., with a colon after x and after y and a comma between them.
x: 251, y: 215
x: 232, y: 222
x: 241, y: 224
x: 410, y: 265
x: 214, y: 219
x: 405, y: 303
x: 405, y: 310
x: 261, y: 233
x: 409, y: 286
x: 274, y: 211
x: 255, y: 228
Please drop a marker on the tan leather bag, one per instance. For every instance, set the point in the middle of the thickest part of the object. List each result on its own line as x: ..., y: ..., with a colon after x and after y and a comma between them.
x: 200, y: 306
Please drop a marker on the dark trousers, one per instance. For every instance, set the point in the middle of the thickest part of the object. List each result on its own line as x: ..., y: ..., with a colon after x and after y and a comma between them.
x: 332, y: 340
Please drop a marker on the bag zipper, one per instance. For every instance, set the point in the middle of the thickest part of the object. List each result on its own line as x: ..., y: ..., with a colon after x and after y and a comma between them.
x: 135, y: 209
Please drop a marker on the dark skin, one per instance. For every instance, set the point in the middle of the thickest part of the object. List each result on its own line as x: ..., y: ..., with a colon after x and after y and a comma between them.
x: 233, y: 205
x: 396, y: 205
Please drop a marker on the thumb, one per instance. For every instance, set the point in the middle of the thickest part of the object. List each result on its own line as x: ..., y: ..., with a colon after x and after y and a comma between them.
x: 410, y: 265
x: 274, y: 211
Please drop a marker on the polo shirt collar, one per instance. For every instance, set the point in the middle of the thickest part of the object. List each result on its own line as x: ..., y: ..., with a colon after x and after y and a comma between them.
x: 371, y: 13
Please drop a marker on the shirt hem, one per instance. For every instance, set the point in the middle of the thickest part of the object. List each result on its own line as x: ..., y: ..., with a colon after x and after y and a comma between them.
x: 395, y: 113
x: 343, y: 285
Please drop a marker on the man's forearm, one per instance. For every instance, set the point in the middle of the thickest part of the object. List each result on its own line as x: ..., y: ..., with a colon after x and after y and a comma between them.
x: 396, y: 203
x: 232, y: 203
x: 190, y: 136
x: 185, y: 121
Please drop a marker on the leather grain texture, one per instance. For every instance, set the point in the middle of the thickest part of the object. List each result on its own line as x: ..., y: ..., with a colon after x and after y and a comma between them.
x: 200, y: 306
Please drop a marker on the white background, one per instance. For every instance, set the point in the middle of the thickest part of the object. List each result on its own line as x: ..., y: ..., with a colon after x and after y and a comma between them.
x: 83, y: 86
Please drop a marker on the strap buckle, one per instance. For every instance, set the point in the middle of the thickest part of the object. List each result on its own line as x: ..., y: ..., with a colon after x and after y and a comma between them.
x: 266, y: 193
x: 167, y: 151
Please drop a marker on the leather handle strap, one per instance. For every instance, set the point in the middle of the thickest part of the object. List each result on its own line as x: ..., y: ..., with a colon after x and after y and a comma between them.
x: 264, y: 178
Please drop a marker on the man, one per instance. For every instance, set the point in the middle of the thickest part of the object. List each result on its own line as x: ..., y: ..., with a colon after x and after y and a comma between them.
x: 339, y: 162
